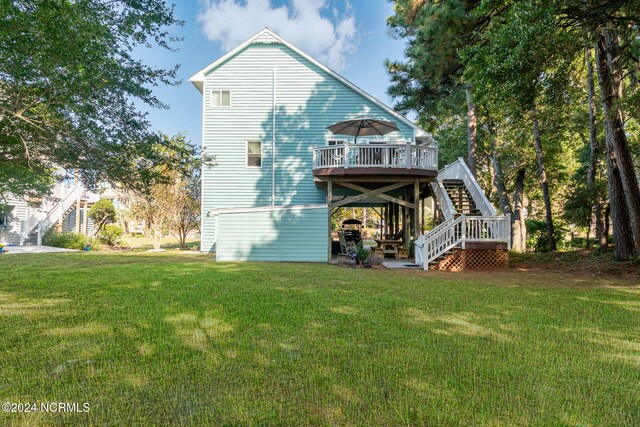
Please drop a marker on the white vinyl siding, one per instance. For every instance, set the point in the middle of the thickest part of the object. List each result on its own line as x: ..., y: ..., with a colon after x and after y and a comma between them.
x: 10, y: 232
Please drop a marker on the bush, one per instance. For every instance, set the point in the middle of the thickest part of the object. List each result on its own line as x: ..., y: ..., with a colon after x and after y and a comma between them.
x: 102, y: 213
x: 110, y: 235
x: 68, y: 240
x: 538, y: 239
x: 361, y: 254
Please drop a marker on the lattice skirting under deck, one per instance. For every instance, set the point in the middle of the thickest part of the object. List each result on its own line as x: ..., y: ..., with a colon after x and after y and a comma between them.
x: 474, y: 259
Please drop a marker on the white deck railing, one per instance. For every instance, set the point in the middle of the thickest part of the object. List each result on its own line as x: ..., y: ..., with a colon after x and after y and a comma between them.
x: 42, y: 221
x: 459, y: 231
x: 375, y: 156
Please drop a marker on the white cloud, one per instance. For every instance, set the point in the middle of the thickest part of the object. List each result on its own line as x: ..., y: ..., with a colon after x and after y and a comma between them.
x: 304, y: 23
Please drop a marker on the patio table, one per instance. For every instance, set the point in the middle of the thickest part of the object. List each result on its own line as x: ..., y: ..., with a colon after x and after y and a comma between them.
x: 389, y: 246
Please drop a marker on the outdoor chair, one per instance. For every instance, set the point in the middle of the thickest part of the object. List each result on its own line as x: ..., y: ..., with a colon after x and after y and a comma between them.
x: 347, y: 248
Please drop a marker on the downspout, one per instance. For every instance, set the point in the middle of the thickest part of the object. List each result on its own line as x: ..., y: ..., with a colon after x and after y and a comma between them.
x: 273, y: 141
x: 203, y: 154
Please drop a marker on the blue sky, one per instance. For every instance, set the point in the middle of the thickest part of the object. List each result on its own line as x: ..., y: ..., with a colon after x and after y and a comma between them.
x: 349, y: 36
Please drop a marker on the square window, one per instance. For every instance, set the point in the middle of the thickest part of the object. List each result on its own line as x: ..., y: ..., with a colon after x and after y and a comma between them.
x: 220, y: 98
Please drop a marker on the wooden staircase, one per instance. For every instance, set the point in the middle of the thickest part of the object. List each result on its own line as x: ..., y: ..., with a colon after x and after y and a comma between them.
x: 471, y: 234
x: 461, y: 198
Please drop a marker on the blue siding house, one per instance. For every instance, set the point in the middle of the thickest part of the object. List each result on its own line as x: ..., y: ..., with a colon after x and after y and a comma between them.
x: 266, y: 106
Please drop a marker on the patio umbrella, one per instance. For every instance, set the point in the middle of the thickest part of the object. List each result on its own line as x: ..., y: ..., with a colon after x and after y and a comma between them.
x: 363, y: 126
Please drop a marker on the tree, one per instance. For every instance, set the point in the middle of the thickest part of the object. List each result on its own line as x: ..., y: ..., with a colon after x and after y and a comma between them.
x: 433, y: 74
x: 173, y: 205
x: 184, y: 206
x: 594, y: 154
x: 152, y: 212
x: 102, y: 213
x: 525, y: 62
x: 69, y: 91
x: 623, y: 181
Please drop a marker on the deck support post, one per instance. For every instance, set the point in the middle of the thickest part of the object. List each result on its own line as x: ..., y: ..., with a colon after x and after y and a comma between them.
x: 78, y: 214
x: 396, y: 218
x: 416, y: 210
x: 330, y: 214
x: 86, y: 218
x: 423, y: 215
x: 406, y: 221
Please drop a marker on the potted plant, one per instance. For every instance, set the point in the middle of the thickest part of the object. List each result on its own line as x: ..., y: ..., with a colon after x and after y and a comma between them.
x: 362, y: 255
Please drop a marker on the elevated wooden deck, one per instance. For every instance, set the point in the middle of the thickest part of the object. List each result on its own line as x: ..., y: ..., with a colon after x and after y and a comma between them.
x: 387, y: 162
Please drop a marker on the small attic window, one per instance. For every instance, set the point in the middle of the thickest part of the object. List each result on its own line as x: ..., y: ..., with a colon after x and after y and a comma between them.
x: 220, y: 98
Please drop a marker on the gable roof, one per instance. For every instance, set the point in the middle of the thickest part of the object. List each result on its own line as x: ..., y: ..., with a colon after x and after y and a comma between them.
x: 267, y: 36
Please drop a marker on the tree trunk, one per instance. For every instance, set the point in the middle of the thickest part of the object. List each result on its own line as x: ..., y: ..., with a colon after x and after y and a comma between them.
x: 601, y: 238
x: 498, y: 182
x: 498, y: 177
x: 543, y: 180
x: 518, y: 227
x: 623, y: 185
x: 607, y: 220
x: 472, y: 132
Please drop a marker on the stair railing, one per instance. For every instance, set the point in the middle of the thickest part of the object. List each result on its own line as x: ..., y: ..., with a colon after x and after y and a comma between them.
x: 42, y: 222
x: 441, y: 239
x: 465, y: 229
x: 459, y: 170
x: 442, y: 199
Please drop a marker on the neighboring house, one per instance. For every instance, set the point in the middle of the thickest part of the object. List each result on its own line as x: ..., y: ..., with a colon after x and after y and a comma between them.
x: 65, y: 208
x: 11, y: 220
x: 280, y: 174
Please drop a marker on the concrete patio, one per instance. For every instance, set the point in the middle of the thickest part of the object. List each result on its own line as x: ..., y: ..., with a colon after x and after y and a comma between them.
x: 33, y: 249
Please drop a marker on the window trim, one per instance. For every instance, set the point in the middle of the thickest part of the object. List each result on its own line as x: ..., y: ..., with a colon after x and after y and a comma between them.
x: 246, y: 154
x: 220, y: 91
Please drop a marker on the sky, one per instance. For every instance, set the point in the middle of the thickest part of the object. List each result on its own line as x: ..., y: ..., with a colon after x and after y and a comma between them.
x: 349, y: 36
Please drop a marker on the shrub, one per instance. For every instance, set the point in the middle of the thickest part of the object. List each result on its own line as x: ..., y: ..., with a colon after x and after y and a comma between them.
x: 102, y: 213
x: 68, y: 240
x: 110, y: 235
x: 537, y: 237
x: 361, y: 254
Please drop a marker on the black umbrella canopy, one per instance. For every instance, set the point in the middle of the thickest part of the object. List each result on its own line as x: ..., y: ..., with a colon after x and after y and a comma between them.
x: 363, y: 126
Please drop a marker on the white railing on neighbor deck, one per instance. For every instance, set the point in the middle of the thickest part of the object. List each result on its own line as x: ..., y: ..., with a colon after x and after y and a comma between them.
x: 399, y: 156
x: 42, y: 221
x: 463, y: 229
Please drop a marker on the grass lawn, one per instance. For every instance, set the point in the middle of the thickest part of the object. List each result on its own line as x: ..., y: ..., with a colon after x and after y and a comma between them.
x: 169, y: 242
x: 176, y: 339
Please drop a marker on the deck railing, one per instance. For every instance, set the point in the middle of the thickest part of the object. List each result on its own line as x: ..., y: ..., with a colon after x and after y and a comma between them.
x: 463, y: 229
x: 42, y: 221
x: 407, y: 156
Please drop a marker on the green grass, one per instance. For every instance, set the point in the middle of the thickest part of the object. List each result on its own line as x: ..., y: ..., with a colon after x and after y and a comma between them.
x: 145, y: 243
x: 161, y: 339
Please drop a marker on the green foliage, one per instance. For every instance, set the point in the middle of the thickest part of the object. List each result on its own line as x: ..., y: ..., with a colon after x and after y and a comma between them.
x: 102, y: 213
x: 515, y: 57
x: 362, y: 254
x: 538, y: 239
x: 68, y: 240
x: 18, y: 179
x: 110, y: 235
x: 72, y: 88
